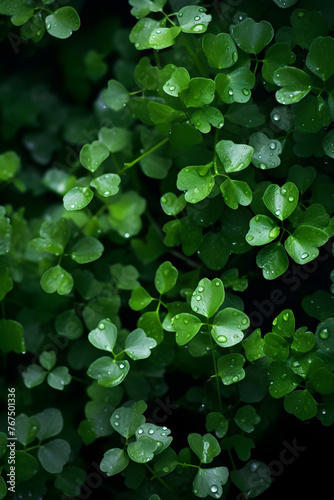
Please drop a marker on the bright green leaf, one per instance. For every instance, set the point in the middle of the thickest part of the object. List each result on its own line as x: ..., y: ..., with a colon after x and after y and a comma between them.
x: 228, y: 325
x: 53, y: 455
x: 138, y: 345
x: 77, y: 198
x: 234, y: 157
x: 56, y: 279
x: 220, y: 50
x: 193, y: 19
x: 262, y: 230
x: 108, y: 372
x: 302, y: 245
x: 62, y: 22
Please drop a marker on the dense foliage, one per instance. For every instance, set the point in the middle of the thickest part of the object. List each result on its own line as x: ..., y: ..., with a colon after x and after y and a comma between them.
x: 160, y: 185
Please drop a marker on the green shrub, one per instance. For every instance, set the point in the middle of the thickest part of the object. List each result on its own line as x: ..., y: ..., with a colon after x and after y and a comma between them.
x: 154, y: 209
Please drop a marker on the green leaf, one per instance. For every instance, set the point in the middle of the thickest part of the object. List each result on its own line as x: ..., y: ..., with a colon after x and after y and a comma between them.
x: 124, y: 214
x: 307, y: 25
x: 138, y: 345
x: 159, y: 434
x: 203, y: 118
x: 252, y: 479
x: 165, y: 277
x: 155, y: 166
x: 252, y: 37
x: 253, y: 346
x: 139, y: 299
x: 303, y: 177
x: 114, y: 461
x: 273, y: 260
x: 186, y: 327
x: 56, y: 279
x: 200, y: 91
x: 5, y: 233
x: 161, y: 38
x: 207, y: 297
x: 20, y: 10
x: 266, y: 151
x: 281, y: 201
x: 104, y: 336
x: 328, y: 144
x: 166, y: 463
x: 235, y: 86
x: 108, y: 372
x: 322, y: 380
x: 197, y: 181
x: 295, y: 83
x: 246, y: 418
x: 10, y: 164
x: 236, y: 193
x: 140, y: 8
x: 301, y: 404
x: 282, y: 379
x: 54, y: 236
x: 231, y: 279
x: 241, y: 444
x: 146, y: 76
x: 59, y: 377
x: 205, y: 447
x: 107, y: 184
x: 87, y: 249
x: 303, y: 340
x: 315, y: 215
x: 115, y: 96
x: 93, y: 155
x: 62, y: 22
x: 228, y: 325
x: 230, y: 368
x: 220, y: 50
x: 208, y: 482
x: 312, y: 114
x: 142, y: 450
x: 26, y: 466
x: 318, y: 60
x: 215, y: 421
x: 285, y: 4
x: 3, y: 488
x: 48, y: 359
x: 234, y: 157
x: 262, y: 230
x: 69, y: 324
x: 33, y: 376
x: 277, y: 56
x: 284, y: 323
x: 184, y: 136
x: 141, y: 32
x: 26, y: 428
x: 115, y: 139
x: 12, y: 336
x: 127, y: 419
x: 54, y: 455
x: 51, y: 423
x: 276, y: 347
x: 77, y: 198
x: 177, y: 82
x: 302, y: 244
x: 151, y: 324
x: 193, y: 19
x: 172, y: 204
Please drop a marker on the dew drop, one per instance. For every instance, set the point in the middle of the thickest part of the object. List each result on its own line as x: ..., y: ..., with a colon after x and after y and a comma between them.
x: 244, y: 321
x: 116, y: 424
x: 235, y: 378
x: 180, y: 14
x: 235, y: 56
x: 275, y: 322
x: 195, y: 309
x: 200, y: 289
x: 324, y: 334
x: 291, y: 198
x: 213, y: 489
x: 121, y: 366
x: 276, y: 117
x: 230, y: 92
x: 272, y: 145
x: 235, y: 313
x: 151, y: 431
x: 250, y: 238
x: 101, y: 326
x: 274, y: 232
x: 165, y: 469
x: 245, y: 92
x: 222, y: 338
x: 263, y: 166
x: 277, y: 212
x: 217, y: 283
x: 164, y: 428
x: 172, y: 88
x: 140, y: 431
x: 300, y: 14
x: 197, y: 18
x: 304, y: 255
x: 286, y: 316
x: 116, y: 416
x: 198, y: 297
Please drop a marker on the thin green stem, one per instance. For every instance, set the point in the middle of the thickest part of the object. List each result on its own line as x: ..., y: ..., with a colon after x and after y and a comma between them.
x: 231, y: 458
x: 216, y: 372
x: 188, y: 465
x: 82, y: 381
x: 32, y: 447
x: 146, y: 153
x: 193, y: 55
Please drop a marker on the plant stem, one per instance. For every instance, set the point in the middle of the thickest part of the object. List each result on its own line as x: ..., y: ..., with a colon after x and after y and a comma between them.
x: 154, y: 148
x: 159, y: 479
x: 216, y: 372
x: 193, y: 55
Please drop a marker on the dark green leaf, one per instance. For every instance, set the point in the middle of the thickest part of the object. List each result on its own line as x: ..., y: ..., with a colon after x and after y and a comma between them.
x: 251, y: 36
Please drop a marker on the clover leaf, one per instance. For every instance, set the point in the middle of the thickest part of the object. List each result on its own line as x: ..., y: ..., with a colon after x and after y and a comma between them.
x: 186, y: 327
x: 53, y: 455
x: 10, y: 164
x: 12, y: 336
x: 77, y: 198
x: 277, y: 56
x: 262, y: 230
x: 108, y: 372
x: 282, y: 379
x: 127, y: 419
x: 230, y: 368
x: 59, y: 377
x: 104, y: 336
x: 284, y: 323
x: 197, y: 181
x: 159, y: 434
x: 207, y: 297
x: 193, y: 19
x: 281, y: 201
x: 140, y: 37
x: 251, y: 36
x: 115, y: 96
x: 234, y: 157
x: 114, y: 461
x: 266, y: 151
x: 228, y: 325
x: 273, y: 260
x: 302, y: 245
x: 301, y: 404
x: 138, y: 345
x: 318, y: 59
x: 56, y: 279
x: 200, y: 91
x: 295, y: 83
x: 246, y: 418
x: 165, y: 277
x: 235, y: 86
x: 62, y: 22
x: 208, y: 482
x: 236, y: 193
x: 177, y: 82
x: 26, y: 428
x: 220, y: 50
x: 107, y: 184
